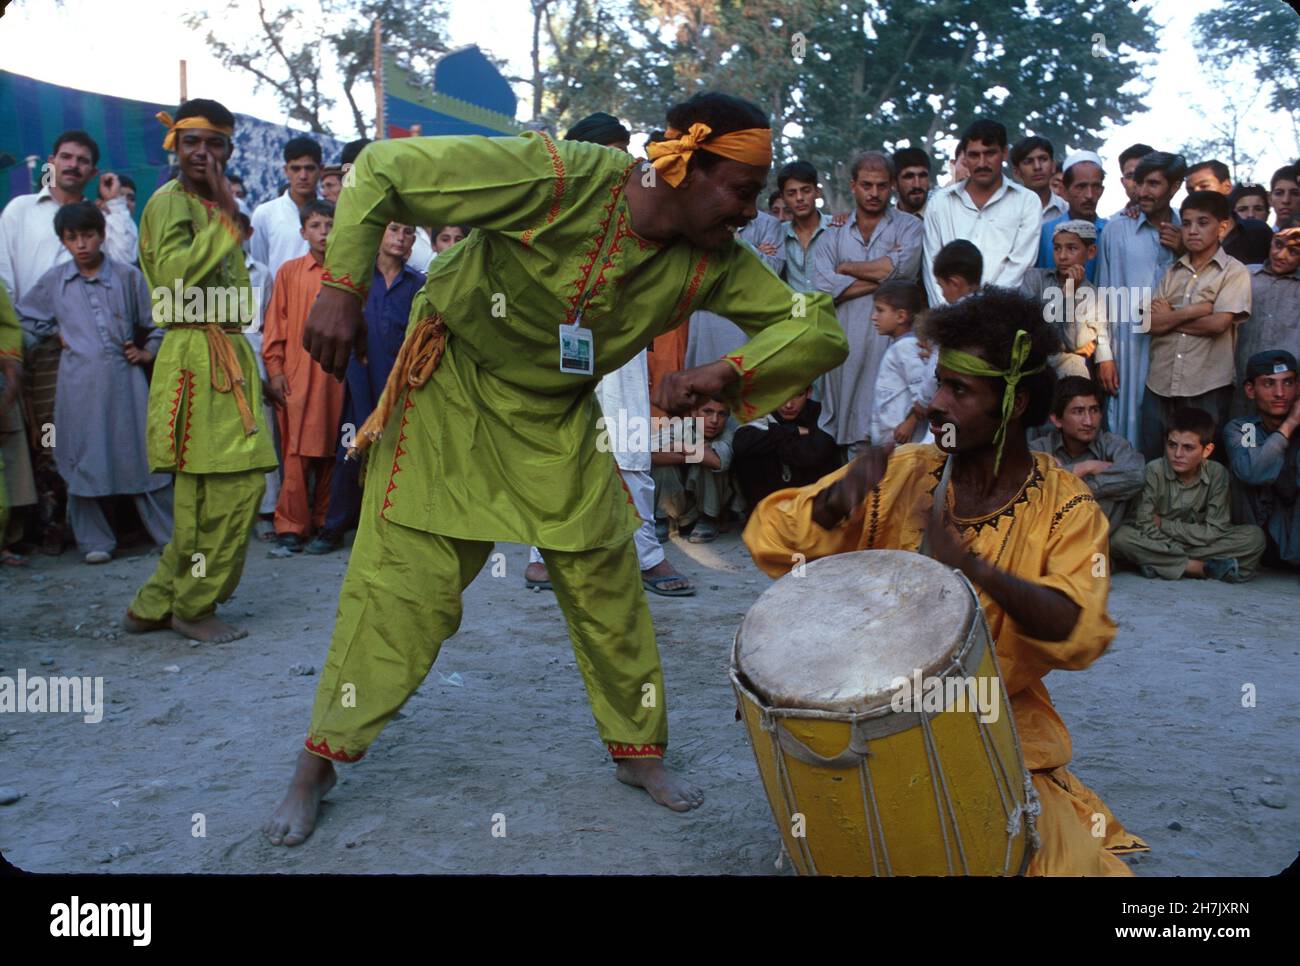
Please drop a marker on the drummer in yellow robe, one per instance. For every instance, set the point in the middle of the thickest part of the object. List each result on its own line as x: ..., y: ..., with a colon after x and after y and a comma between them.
x: 579, y: 257
x: 1027, y: 534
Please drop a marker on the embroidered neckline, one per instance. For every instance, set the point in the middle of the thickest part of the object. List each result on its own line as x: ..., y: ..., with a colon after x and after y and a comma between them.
x: 1008, y: 509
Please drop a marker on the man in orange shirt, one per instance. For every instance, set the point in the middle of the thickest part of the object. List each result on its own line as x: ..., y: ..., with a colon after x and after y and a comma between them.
x: 309, y: 402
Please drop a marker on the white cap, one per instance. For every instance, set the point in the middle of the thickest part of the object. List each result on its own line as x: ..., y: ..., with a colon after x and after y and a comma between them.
x: 1078, y: 156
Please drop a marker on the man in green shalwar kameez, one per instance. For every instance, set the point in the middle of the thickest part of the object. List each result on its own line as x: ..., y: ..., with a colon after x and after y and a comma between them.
x: 578, y: 253
x: 206, y: 422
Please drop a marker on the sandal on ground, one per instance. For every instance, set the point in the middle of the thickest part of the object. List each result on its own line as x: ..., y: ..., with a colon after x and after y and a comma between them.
x: 10, y: 559
x: 655, y: 586
x: 703, y: 533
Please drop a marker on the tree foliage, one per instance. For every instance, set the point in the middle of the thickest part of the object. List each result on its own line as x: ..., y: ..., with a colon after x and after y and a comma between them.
x: 875, y: 73
x: 1264, y: 34
x: 308, y: 60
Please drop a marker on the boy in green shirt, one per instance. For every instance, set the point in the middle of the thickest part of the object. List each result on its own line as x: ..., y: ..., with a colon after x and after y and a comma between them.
x: 1182, y: 526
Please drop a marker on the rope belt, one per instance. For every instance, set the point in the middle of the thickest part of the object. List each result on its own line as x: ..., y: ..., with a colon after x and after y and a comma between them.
x: 416, y: 360
x: 227, y: 376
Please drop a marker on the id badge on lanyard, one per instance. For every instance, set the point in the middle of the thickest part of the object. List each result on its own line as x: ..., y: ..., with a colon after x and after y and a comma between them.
x: 577, y: 349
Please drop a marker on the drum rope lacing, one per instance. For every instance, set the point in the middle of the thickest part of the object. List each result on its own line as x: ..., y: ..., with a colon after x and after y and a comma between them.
x: 1016, y: 812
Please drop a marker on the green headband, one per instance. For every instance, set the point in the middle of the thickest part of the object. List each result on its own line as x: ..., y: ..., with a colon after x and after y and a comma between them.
x: 970, y: 365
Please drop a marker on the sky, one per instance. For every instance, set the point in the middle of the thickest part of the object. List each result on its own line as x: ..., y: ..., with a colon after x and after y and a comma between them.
x: 137, y: 55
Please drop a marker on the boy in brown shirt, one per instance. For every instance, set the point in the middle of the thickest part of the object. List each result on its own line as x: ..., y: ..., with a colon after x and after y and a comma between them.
x: 1198, y: 305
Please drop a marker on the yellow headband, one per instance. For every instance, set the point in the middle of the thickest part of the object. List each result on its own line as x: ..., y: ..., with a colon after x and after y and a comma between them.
x: 670, y: 157
x: 169, y: 142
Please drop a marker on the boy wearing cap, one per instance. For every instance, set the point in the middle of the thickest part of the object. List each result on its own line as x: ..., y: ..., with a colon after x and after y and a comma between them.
x: 1070, y: 302
x: 1200, y: 301
x: 1264, y: 455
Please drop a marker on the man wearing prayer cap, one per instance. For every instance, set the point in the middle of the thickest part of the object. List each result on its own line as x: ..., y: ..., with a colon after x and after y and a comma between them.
x: 1084, y: 179
x: 488, y: 427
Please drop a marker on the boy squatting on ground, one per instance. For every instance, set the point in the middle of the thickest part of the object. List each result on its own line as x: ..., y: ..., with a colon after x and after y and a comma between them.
x: 1183, y: 524
x: 99, y: 309
x: 784, y: 448
x: 1071, y: 304
x: 700, y: 493
x: 1113, y: 470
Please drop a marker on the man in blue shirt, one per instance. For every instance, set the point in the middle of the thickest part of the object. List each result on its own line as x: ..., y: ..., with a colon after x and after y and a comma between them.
x: 1133, y: 255
x: 387, y: 310
x: 1264, y: 456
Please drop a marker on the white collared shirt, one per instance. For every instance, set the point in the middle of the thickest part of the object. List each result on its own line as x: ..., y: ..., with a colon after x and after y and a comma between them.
x: 1005, y: 230
x: 277, y: 233
x: 1056, y: 207
x: 29, y: 247
x: 422, y: 253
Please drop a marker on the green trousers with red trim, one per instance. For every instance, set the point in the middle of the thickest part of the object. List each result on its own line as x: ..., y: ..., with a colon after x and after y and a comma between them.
x: 401, y: 599
x: 212, y: 519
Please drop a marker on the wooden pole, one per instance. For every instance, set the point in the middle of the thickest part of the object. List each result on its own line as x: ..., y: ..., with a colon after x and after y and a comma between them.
x: 380, y: 128
x: 184, y: 86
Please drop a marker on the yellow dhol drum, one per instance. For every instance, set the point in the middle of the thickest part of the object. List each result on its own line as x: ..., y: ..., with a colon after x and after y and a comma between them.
x: 867, y: 775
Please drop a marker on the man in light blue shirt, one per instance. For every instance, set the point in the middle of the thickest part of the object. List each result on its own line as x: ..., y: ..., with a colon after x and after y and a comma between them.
x: 797, y: 182
x: 1133, y: 256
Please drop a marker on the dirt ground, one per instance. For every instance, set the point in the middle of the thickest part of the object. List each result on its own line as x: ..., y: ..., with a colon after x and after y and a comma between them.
x: 500, y: 733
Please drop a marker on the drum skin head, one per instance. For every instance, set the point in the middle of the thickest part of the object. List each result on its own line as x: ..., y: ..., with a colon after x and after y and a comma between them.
x: 839, y: 636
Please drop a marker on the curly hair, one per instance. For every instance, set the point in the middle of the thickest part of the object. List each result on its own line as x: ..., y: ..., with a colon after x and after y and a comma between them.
x: 988, y: 321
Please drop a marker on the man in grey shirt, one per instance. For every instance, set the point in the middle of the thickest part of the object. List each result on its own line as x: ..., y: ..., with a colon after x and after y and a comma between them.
x: 1264, y: 455
x: 879, y: 243
x: 1113, y: 470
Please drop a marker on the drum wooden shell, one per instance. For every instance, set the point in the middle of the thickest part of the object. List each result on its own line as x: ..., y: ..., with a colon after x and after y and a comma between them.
x: 857, y: 787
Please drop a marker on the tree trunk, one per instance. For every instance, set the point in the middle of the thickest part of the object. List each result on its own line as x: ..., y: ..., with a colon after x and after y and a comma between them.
x: 939, y: 115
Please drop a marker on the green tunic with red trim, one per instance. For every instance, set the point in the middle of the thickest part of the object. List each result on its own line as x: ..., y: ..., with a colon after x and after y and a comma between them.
x: 500, y: 444
x: 11, y: 332
x: 191, y: 257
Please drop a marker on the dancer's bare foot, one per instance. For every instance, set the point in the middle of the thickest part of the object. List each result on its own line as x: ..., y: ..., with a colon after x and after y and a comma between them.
x: 295, y: 819
x: 209, y: 629
x: 661, y: 784
x: 664, y: 569
x: 140, y: 625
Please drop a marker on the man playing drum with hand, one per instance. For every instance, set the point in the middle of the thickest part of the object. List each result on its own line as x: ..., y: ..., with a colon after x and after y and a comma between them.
x: 1028, y: 535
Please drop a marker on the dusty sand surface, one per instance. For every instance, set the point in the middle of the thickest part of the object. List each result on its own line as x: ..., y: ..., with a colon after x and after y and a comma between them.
x: 501, y: 730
